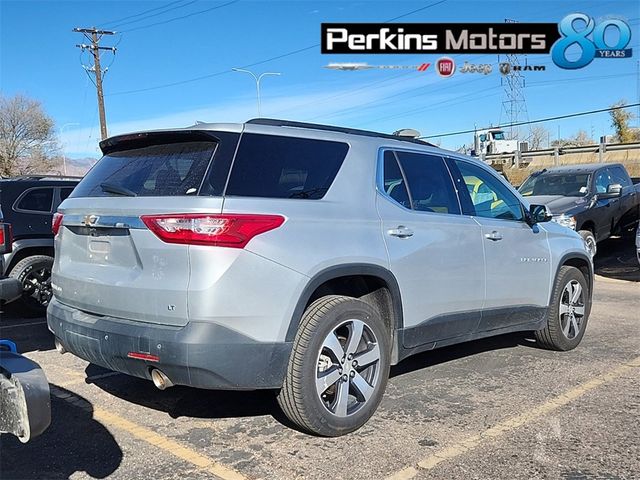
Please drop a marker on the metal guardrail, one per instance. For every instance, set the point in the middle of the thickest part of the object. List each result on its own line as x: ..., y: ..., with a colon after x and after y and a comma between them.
x: 523, y: 158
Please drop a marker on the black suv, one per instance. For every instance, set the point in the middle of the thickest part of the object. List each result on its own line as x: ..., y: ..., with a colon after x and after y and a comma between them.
x: 28, y: 204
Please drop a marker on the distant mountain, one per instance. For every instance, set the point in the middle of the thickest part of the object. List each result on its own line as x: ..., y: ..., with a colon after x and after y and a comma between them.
x: 75, y: 167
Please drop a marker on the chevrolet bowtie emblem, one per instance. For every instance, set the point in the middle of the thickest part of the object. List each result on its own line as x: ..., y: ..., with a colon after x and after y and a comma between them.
x: 89, y: 220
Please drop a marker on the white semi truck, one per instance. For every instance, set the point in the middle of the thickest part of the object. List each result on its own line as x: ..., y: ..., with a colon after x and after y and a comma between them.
x: 492, y: 140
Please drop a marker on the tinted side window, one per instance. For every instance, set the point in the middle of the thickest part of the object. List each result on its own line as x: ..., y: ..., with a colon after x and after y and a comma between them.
x: 284, y: 167
x: 394, y: 184
x: 489, y: 196
x: 37, y: 200
x: 619, y: 176
x: 430, y: 187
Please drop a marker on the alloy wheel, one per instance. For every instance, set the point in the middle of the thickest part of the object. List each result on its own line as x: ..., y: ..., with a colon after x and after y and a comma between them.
x: 36, y: 286
x: 572, y: 309
x: 348, y: 368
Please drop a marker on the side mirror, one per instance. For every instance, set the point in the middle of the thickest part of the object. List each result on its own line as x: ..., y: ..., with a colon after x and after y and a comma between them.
x: 539, y: 214
x: 613, y: 191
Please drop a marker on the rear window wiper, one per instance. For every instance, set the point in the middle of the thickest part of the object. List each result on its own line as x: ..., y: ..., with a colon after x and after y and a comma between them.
x: 117, y: 189
x: 308, y: 193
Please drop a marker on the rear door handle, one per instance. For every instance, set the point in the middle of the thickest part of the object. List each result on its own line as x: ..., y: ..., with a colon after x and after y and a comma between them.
x: 401, y: 232
x: 495, y: 236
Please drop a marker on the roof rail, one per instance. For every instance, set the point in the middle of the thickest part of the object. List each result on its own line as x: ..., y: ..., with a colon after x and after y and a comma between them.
x: 43, y: 177
x: 352, y: 131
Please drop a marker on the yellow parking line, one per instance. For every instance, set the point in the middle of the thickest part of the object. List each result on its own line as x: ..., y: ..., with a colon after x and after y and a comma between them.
x: 404, y: 474
x: 152, y: 438
x: 512, y: 423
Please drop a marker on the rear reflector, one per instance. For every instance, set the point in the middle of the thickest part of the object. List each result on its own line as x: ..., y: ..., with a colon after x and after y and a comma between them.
x: 221, y: 230
x: 56, y: 222
x: 2, y: 235
x: 143, y: 356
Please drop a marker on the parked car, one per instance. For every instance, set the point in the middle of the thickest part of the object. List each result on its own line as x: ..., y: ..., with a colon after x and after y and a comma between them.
x: 10, y: 288
x: 303, y: 258
x: 597, y: 200
x: 29, y: 203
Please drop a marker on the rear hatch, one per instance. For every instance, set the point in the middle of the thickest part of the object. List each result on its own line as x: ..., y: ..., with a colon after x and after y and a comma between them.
x: 108, y: 262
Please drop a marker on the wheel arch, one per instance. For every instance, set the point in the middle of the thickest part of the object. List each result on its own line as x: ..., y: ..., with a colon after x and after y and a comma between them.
x: 582, y: 262
x: 22, y: 249
x: 371, y: 283
x: 588, y: 225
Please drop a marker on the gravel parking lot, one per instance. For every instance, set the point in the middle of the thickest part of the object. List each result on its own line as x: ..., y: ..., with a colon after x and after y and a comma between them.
x: 496, y: 408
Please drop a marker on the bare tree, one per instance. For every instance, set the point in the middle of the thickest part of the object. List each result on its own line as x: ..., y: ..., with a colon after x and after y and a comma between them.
x: 539, y: 137
x: 581, y: 138
x: 28, y: 143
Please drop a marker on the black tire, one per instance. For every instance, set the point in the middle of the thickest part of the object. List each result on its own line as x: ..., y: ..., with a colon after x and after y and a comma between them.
x: 34, y: 273
x: 553, y: 336
x: 590, y: 240
x: 299, y: 398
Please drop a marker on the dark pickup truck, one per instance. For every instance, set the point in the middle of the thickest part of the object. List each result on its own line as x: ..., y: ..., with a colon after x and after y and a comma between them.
x: 597, y: 200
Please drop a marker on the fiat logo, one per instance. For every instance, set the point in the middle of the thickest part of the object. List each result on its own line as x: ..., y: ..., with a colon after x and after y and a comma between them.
x: 445, y: 66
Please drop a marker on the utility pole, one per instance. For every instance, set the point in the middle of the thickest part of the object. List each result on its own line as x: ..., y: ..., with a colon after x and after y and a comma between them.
x: 94, y: 36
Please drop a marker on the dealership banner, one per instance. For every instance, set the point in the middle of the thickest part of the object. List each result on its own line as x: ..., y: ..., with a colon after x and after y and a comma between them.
x: 438, y: 37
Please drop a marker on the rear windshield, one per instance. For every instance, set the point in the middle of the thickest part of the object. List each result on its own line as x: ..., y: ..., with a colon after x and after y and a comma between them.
x: 285, y: 167
x: 162, y: 170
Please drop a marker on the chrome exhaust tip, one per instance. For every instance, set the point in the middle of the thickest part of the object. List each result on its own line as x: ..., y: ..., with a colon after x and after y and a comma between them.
x: 59, y: 347
x: 160, y: 380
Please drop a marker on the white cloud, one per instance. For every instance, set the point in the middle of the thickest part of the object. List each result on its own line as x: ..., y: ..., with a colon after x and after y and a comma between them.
x: 83, y: 141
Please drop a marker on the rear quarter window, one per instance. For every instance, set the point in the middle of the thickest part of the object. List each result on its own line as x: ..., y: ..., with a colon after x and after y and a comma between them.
x: 285, y: 167
x: 36, y: 200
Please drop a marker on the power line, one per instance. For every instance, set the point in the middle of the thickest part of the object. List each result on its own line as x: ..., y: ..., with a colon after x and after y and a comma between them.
x: 155, y: 14
x: 456, y: 102
x: 181, y: 17
x: 162, y: 7
x: 277, y: 57
x: 414, y: 11
x: 541, y: 120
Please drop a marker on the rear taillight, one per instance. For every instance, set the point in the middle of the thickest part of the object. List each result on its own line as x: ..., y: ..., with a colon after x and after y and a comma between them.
x: 56, y: 222
x: 224, y: 230
x: 6, y: 238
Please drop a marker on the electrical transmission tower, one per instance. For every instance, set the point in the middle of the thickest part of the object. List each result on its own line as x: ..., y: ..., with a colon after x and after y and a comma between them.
x: 94, y: 36
x: 514, y: 104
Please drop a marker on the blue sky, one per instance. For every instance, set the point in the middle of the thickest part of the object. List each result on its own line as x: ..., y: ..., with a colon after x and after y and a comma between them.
x: 38, y: 58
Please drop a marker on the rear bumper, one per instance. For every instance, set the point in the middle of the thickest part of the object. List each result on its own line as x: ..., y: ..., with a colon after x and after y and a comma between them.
x: 203, y: 355
x: 10, y: 289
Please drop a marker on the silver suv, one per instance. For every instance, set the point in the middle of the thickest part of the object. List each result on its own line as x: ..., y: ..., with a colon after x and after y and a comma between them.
x: 304, y: 258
